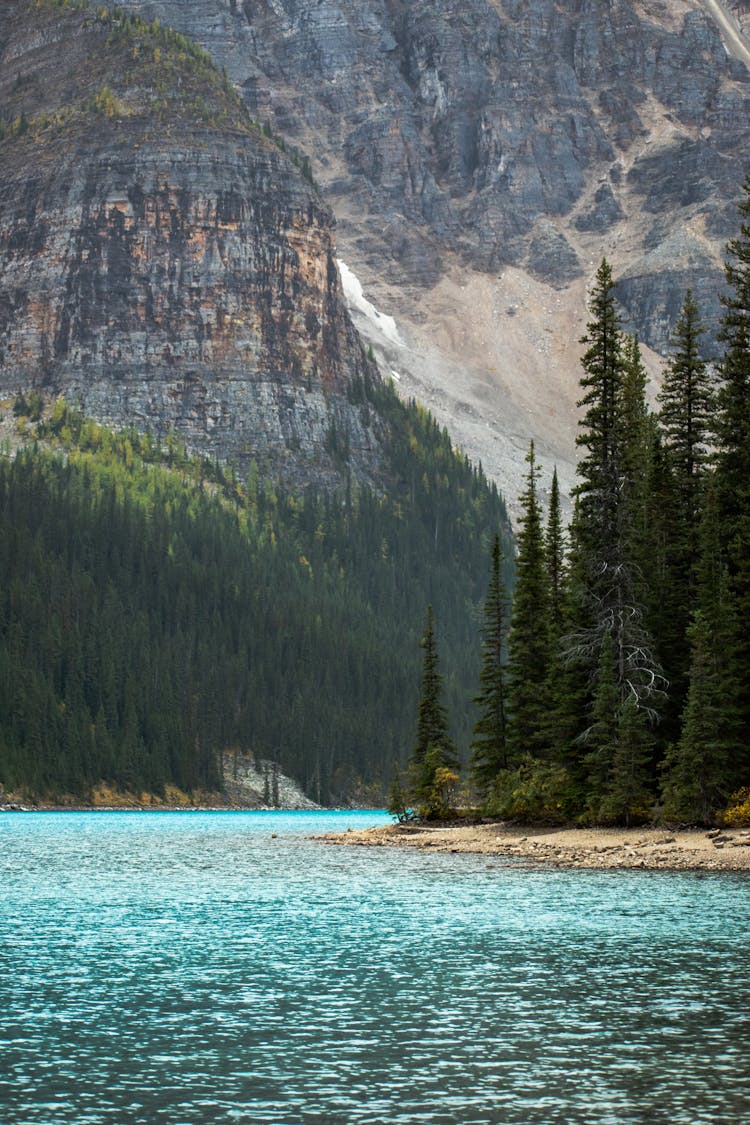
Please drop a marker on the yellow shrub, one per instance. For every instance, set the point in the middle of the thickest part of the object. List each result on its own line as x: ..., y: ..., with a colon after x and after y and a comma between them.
x: 737, y: 812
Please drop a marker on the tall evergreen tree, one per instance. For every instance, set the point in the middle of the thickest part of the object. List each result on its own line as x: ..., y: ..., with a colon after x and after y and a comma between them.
x: 620, y: 679
x: 434, y: 747
x: 687, y: 402
x: 686, y: 417
x: 564, y: 681
x: 529, y: 641
x: 599, y: 492
x: 636, y: 425
x: 605, y: 574
x: 708, y: 761
x: 554, y: 547
x: 733, y: 448
x: 489, y: 748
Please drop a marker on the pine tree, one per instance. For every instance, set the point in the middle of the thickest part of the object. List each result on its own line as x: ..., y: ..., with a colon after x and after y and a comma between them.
x: 708, y: 761
x: 489, y: 746
x: 599, y: 493
x: 687, y: 402
x: 434, y: 749
x: 565, y: 691
x: 529, y: 641
x: 733, y: 447
x: 636, y: 426
x: 554, y: 549
x: 604, y: 572
x: 608, y: 643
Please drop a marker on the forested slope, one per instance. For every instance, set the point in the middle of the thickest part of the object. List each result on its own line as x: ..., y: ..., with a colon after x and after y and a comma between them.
x: 155, y: 612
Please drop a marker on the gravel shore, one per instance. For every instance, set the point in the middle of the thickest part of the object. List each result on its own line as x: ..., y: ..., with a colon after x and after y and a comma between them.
x: 647, y: 848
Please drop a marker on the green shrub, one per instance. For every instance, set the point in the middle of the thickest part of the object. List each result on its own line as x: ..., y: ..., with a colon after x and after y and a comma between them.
x: 538, y: 792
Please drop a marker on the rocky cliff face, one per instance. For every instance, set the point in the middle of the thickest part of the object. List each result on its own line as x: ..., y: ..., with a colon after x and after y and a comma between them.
x: 508, y: 132
x: 161, y: 262
x: 482, y: 156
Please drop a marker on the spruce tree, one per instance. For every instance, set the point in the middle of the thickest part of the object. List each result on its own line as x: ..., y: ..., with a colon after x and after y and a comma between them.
x: 609, y: 644
x: 599, y: 491
x: 636, y: 426
x: 687, y: 402
x: 708, y: 761
x: 607, y: 580
x: 554, y: 547
x: 733, y: 448
x: 529, y: 641
x: 564, y: 692
x: 489, y: 747
x: 434, y: 747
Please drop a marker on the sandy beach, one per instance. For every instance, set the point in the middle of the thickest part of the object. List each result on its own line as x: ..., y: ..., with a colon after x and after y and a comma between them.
x: 646, y: 848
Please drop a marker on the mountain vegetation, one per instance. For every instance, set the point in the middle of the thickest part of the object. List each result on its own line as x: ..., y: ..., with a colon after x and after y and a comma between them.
x: 624, y: 693
x: 156, y: 612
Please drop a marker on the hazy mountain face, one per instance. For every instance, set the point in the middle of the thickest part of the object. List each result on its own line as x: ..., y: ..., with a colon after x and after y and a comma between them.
x: 481, y: 157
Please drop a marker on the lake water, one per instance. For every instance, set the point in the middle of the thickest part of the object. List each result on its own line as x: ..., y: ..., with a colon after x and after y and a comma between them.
x: 191, y: 968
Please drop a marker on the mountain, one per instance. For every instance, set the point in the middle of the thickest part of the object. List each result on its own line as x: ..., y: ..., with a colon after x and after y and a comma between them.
x: 481, y: 156
x: 238, y: 562
x: 162, y: 262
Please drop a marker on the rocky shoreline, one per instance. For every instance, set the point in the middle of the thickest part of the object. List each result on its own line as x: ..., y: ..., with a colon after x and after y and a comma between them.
x: 605, y: 848
x: 249, y: 783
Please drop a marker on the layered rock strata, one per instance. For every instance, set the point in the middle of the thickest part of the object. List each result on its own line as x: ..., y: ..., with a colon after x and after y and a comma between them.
x: 161, y: 261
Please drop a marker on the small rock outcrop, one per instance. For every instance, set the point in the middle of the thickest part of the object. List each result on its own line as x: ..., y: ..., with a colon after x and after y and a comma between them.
x: 251, y: 782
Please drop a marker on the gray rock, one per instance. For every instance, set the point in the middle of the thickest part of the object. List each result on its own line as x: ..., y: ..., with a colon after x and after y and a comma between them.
x: 449, y: 129
x: 604, y: 213
x: 551, y: 257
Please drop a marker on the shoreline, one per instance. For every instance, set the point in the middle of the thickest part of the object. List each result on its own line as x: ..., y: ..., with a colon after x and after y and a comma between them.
x: 649, y: 849
x: 20, y: 807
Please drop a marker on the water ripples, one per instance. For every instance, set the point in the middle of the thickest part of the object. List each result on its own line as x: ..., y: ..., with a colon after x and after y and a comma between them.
x: 190, y: 968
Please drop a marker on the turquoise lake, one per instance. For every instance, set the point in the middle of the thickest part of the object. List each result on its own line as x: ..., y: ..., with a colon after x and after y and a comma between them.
x: 190, y: 968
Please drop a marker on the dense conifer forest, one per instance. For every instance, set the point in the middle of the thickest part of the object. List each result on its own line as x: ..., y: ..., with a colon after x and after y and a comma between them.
x: 156, y: 612
x: 617, y: 689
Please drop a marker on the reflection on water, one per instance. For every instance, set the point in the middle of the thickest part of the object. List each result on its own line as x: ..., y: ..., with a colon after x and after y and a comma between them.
x: 191, y: 968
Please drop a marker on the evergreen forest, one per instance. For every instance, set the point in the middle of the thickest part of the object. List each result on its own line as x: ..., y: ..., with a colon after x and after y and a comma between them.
x: 156, y: 612
x: 616, y: 689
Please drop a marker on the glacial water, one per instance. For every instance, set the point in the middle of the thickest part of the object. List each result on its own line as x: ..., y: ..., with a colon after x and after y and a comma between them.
x: 191, y: 968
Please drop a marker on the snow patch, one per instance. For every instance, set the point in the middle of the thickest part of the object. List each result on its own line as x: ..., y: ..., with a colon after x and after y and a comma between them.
x: 356, y: 300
